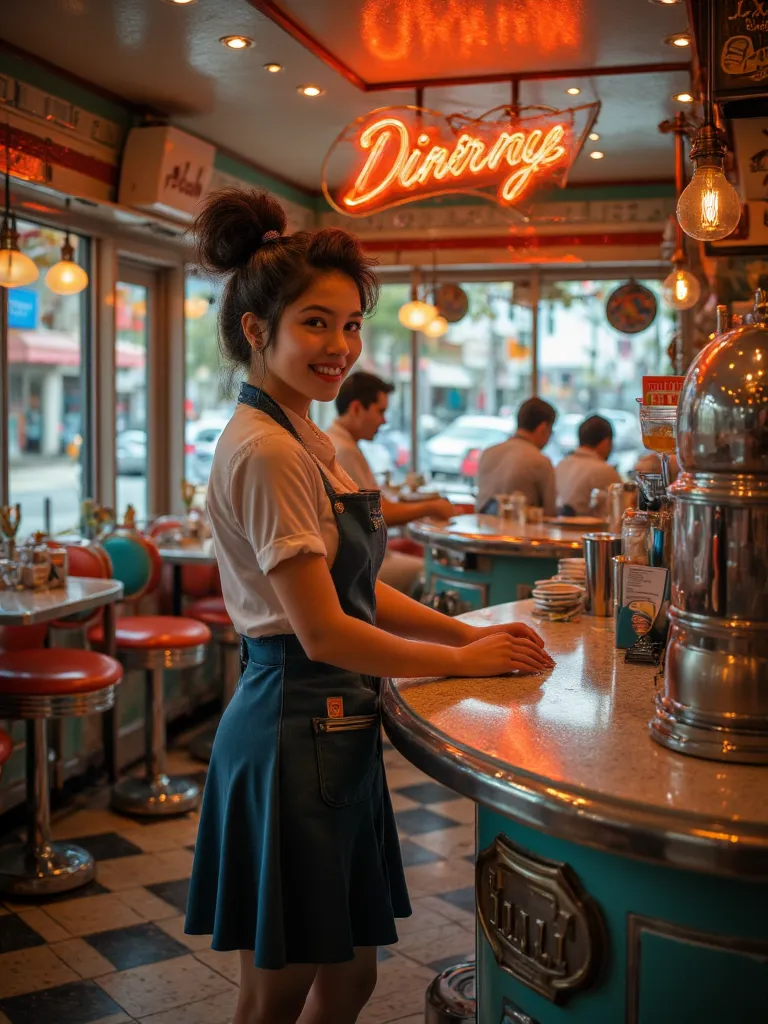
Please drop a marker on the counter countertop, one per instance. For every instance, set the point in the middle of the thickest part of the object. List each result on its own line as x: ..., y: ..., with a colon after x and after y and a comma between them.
x: 491, y: 535
x: 569, y: 752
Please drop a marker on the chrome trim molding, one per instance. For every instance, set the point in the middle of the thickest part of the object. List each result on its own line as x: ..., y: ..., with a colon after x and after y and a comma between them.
x: 29, y: 705
x: 168, y: 657
x: 673, y: 839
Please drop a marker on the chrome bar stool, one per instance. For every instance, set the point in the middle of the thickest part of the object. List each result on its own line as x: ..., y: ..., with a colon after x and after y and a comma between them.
x: 37, y: 685
x: 152, y: 644
x: 451, y: 996
x: 212, y: 611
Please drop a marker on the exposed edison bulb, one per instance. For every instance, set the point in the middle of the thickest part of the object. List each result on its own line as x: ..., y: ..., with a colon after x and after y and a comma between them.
x: 709, y: 206
x: 416, y: 315
x: 66, y: 278
x: 681, y: 289
x: 16, y: 269
x: 436, y: 328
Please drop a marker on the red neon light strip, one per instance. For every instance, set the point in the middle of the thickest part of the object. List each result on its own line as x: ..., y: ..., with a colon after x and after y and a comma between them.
x: 54, y: 153
x: 515, y: 242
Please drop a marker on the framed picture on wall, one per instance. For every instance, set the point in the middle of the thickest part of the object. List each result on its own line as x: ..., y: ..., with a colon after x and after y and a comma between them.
x: 741, y: 54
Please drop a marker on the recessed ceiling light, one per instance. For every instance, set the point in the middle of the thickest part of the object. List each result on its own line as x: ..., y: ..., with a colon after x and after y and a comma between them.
x: 683, y: 97
x: 181, y: 2
x: 665, y: 3
x: 679, y: 39
x: 596, y: 154
x: 273, y: 68
x: 594, y: 137
x: 237, y: 42
x: 310, y: 90
x: 573, y: 91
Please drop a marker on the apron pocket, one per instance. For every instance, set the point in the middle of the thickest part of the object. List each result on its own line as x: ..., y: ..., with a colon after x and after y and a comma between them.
x: 347, y: 757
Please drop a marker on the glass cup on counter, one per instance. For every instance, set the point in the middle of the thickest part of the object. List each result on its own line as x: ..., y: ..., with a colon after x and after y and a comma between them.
x: 658, y: 424
x: 512, y: 507
x: 535, y: 515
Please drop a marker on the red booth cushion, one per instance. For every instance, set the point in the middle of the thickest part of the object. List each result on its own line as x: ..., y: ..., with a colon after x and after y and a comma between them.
x: 6, y: 747
x: 57, y: 672
x: 150, y: 632
x: 210, y: 610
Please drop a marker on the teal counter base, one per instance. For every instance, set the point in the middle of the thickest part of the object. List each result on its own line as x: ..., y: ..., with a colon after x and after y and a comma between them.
x: 674, y: 947
x: 485, y: 580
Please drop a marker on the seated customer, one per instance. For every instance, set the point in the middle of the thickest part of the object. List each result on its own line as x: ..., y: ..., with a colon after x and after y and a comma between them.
x: 586, y: 467
x: 362, y: 406
x: 519, y: 464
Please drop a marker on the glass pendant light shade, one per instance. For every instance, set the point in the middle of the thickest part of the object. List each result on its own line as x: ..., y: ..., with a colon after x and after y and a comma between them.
x: 416, y: 315
x: 681, y: 289
x: 66, y: 277
x: 16, y: 269
x: 436, y: 328
x: 709, y: 206
x: 195, y: 307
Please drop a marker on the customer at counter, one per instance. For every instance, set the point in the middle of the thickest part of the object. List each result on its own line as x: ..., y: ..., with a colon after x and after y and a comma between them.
x: 586, y: 468
x: 362, y: 407
x: 519, y: 464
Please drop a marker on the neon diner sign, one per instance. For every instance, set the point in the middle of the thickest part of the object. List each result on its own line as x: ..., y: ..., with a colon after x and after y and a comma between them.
x: 403, y: 154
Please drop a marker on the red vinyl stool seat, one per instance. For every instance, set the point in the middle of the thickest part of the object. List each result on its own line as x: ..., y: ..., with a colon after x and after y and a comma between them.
x: 155, y: 632
x: 36, y: 685
x: 213, y: 612
x: 6, y: 747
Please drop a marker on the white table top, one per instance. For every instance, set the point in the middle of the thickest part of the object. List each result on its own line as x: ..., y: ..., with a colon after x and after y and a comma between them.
x: 81, y: 594
x: 189, y: 554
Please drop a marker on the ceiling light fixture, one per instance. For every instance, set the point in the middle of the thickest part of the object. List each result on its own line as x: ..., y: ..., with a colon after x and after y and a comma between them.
x: 683, y: 97
x: 679, y: 39
x: 196, y: 306
x: 416, y: 315
x: 594, y: 137
x: 665, y: 3
x: 596, y: 155
x: 237, y: 42
x: 310, y: 90
x: 16, y: 269
x: 181, y: 3
x: 709, y: 207
x: 273, y: 68
x: 573, y: 91
x: 66, y: 277
x: 681, y: 289
x: 436, y: 328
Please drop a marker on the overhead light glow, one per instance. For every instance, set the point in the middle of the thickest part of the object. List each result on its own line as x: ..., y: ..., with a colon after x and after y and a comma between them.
x: 416, y: 315
x: 596, y: 155
x: 665, y: 3
x: 181, y: 3
x: 683, y: 97
x: 709, y: 207
x: 273, y: 68
x: 237, y: 42
x: 436, y: 328
x: 573, y: 91
x: 678, y: 39
x: 594, y: 137
x: 681, y: 289
x: 310, y: 90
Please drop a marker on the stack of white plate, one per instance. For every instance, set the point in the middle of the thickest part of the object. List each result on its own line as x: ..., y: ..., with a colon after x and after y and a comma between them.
x: 572, y: 570
x: 553, y: 599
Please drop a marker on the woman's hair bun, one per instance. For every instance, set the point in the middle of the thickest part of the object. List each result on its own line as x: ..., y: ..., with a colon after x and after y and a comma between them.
x: 232, y: 224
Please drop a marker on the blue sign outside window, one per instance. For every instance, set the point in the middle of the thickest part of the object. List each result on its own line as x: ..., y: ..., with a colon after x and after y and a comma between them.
x: 22, y: 308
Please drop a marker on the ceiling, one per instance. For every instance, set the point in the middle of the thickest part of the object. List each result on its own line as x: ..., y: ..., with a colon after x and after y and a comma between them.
x: 168, y: 58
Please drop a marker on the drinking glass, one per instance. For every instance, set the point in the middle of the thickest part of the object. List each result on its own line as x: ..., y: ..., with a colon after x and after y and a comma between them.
x: 658, y: 424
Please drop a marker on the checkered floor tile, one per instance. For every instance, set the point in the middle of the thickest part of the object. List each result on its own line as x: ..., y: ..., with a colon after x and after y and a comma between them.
x: 115, y: 951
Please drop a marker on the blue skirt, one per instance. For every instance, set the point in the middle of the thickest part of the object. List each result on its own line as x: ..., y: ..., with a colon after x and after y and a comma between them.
x: 297, y: 856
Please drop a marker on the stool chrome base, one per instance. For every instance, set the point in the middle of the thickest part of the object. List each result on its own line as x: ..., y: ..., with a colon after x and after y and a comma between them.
x: 202, y: 745
x: 157, y: 797
x: 55, y: 868
x: 451, y: 996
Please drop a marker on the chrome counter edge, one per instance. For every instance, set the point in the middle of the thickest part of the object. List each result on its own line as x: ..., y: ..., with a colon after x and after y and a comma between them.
x: 674, y: 840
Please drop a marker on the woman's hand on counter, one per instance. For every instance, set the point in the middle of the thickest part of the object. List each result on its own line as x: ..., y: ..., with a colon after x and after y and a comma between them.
x: 501, y: 653
x: 518, y: 629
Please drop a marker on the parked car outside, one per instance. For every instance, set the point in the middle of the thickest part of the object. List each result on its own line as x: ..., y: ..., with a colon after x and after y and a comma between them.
x: 378, y: 457
x: 131, y: 450
x: 455, y: 452
x: 202, y: 436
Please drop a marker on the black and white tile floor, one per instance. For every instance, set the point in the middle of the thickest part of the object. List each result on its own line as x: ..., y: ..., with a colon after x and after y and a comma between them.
x: 115, y: 951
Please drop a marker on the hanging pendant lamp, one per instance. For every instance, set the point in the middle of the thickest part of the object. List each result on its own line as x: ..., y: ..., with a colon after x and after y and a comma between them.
x: 16, y: 269
x: 66, y: 277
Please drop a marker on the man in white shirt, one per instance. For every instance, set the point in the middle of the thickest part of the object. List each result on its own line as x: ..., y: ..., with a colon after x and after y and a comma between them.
x: 362, y: 406
x: 586, y: 467
x: 519, y: 463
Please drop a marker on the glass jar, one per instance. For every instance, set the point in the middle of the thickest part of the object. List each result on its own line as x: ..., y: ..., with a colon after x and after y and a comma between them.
x: 636, y: 536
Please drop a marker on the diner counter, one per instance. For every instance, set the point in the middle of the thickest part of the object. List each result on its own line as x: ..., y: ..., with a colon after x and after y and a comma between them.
x: 491, y: 535
x: 569, y: 753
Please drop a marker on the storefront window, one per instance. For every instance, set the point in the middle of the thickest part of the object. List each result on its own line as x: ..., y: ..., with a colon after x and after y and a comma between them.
x: 211, y: 386
x: 132, y: 314
x: 586, y: 366
x: 472, y: 379
x: 45, y: 390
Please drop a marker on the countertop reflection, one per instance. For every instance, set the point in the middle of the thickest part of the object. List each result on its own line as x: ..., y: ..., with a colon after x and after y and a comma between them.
x: 491, y: 534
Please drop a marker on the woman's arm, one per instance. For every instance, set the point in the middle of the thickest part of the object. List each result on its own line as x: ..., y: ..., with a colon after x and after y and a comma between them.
x: 304, y: 587
x: 405, y: 617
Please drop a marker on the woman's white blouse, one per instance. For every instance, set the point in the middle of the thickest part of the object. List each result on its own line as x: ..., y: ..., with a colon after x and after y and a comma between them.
x: 267, y: 503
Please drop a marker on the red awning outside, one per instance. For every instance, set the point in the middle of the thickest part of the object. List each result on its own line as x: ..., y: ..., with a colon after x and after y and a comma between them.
x: 55, y: 348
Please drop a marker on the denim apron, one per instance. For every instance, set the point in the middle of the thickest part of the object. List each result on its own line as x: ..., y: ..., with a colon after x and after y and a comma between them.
x: 297, y: 855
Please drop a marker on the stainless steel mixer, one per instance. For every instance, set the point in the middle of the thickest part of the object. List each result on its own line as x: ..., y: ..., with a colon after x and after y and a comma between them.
x: 715, y: 699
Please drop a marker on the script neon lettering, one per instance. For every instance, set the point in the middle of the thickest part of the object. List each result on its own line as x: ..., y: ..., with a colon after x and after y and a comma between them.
x: 394, y: 163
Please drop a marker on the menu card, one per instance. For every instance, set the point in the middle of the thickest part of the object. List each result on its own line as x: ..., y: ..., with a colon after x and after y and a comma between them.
x: 642, y: 594
x: 662, y: 390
